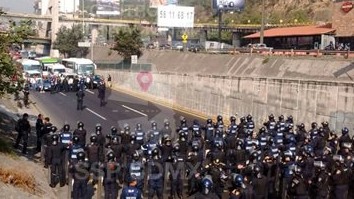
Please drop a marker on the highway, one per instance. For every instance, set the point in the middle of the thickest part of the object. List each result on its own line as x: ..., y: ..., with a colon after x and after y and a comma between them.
x: 120, y: 109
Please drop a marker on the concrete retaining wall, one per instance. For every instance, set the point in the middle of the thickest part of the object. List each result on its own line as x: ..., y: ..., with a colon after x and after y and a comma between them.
x: 244, y: 85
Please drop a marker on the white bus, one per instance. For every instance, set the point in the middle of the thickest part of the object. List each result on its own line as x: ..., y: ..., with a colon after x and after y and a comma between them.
x: 30, y: 65
x: 79, y: 66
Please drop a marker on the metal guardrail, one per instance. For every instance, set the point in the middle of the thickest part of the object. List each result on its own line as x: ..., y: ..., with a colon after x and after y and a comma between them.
x: 285, y: 52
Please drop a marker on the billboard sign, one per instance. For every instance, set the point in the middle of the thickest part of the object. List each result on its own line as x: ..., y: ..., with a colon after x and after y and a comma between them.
x: 108, y: 7
x: 157, y: 3
x: 175, y: 16
x: 231, y: 5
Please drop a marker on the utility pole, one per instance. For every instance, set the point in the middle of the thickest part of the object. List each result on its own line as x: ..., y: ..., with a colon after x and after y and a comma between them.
x: 261, y: 34
x: 83, y: 17
x: 220, y: 9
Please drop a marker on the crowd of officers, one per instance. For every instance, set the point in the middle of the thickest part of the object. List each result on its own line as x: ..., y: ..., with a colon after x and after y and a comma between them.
x: 280, y: 160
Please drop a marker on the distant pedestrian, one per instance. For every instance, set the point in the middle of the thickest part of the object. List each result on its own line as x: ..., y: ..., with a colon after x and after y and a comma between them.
x: 23, y: 128
x: 109, y: 81
x: 80, y: 99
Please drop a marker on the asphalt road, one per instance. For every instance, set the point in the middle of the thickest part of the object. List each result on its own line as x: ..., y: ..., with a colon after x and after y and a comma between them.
x: 120, y: 109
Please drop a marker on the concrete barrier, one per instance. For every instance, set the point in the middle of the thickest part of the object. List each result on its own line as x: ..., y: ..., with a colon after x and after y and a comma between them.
x: 285, y: 86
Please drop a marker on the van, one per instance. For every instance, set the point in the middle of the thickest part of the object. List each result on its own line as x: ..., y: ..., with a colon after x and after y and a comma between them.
x: 56, y: 69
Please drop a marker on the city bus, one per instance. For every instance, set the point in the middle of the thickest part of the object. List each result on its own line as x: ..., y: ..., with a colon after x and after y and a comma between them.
x: 45, y: 62
x: 30, y: 65
x: 79, y: 66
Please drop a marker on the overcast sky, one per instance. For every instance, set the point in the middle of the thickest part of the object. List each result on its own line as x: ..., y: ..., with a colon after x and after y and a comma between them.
x: 23, y: 6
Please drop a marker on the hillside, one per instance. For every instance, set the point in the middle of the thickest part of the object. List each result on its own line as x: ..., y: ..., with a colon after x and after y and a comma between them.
x: 276, y: 10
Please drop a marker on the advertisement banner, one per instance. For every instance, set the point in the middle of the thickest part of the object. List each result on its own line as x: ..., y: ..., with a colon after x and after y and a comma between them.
x: 232, y: 5
x: 108, y: 7
x: 175, y: 16
x: 157, y: 3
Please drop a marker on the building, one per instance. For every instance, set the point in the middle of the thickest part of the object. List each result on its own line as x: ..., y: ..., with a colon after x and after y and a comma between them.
x: 343, y: 21
x: 298, y: 37
x: 65, y: 6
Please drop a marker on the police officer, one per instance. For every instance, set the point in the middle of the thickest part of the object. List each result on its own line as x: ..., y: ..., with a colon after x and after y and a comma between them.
x: 270, y: 124
x: 166, y: 149
x: 111, y: 171
x: 74, y: 150
x: 80, y: 99
x: 166, y: 130
x: 55, y: 159
x: 81, y: 133
x: 209, y: 133
x: 298, y: 185
x: 80, y: 173
x: 259, y: 183
x: 239, y: 187
x: 340, y: 178
x: 39, y: 124
x: 176, y: 177
x: 156, y: 176
x: 102, y: 93
x: 320, y: 182
x: 184, y: 127
x: 154, y: 133
x: 206, y: 191
x: 136, y: 168
x: 93, y: 156
x: 131, y: 191
x: 101, y: 140
x: 140, y: 134
x: 66, y: 136
x: 23, y: 128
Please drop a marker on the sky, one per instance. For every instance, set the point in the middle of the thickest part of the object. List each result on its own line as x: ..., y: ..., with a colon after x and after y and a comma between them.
x: 22, y: 6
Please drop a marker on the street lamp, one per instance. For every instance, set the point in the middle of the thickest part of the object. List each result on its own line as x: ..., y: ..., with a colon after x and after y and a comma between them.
x: 261, y: 34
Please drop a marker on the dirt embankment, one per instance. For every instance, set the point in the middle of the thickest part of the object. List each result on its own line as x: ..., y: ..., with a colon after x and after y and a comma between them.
x: 21, y: 176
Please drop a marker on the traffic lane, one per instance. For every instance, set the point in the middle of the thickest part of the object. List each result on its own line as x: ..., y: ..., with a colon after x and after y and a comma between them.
x: 120, y: 109
x: 62, y: 109
x: 150, y: 111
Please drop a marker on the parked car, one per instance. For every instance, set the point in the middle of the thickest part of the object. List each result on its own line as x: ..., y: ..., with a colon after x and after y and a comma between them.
x: 259, y: 46
x: 164, y: 46
x: 178, y: 46
x: 195, y: 48
x: 150, y: 46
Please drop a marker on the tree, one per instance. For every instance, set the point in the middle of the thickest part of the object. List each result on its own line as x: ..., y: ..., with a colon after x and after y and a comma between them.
x: 67, y: 40
x: 10, y: 72
x: 128, y: 42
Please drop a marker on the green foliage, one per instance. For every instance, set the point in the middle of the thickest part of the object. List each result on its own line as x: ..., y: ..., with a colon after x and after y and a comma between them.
x: 128, y: 42
x: 67, y: 40
x: 226, y: 37
x: 10, y: 73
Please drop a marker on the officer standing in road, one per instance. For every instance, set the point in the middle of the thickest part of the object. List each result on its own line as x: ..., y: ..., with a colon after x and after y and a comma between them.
x: 131, y: 191
x: 80, y: 99
x: 80, y: 171
x: 109, y: 80
x: 23, y: 128
x: 207, y: 189
x: 102, y: 93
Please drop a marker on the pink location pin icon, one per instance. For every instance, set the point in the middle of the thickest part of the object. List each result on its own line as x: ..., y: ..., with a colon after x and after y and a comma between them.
x: 144, y: 80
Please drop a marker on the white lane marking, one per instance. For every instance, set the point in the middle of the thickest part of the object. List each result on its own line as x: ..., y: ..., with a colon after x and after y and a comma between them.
x: 98, y: 115
x: 115, y: 111
x: 61, y: 93
x: 90, y: 91
x: 136, y: 111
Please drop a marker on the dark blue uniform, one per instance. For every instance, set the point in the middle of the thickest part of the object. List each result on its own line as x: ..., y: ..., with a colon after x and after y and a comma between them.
x: 130, y: 193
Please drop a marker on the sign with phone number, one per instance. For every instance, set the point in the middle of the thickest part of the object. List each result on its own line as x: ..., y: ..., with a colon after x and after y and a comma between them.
x: 175, y: 16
